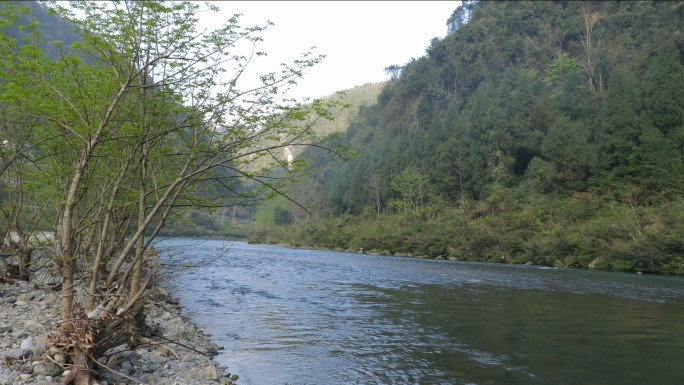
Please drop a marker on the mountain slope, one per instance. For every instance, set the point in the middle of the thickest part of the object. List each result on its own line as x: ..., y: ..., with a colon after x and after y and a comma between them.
x: 545, y: 132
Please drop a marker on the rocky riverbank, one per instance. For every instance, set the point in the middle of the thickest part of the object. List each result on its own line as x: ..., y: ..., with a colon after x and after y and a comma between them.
x: 29, y: 312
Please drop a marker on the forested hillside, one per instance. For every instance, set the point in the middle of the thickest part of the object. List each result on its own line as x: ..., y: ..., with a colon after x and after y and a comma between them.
x: 534, y: 132
x: 234, y: 221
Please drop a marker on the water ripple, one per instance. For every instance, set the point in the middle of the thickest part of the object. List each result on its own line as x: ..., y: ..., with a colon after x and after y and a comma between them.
x: 304, y: 316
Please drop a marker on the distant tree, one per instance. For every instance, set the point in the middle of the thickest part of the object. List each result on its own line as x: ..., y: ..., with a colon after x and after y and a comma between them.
x: 394, y: 71
x: 413, y: 187
x: 568, y: 147
x: 21, y: 135
x: 660, y: 164
x: 593, y: 75
x: 621, y: 124
x: 460, y: 16
x: 664, y: 91
x: 282, y: 216
x: 375, y: 181
x: 557, y: 73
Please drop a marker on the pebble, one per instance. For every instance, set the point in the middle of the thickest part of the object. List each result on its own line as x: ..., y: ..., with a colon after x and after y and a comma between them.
x: 16, y: 354
x: 27, y: 316
x: 210, y: 373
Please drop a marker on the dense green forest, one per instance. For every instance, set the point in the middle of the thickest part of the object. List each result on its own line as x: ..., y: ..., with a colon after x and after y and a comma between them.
x: 544, y: 132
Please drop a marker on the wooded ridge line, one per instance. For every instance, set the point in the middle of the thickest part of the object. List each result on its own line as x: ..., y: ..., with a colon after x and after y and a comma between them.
x: 547, y: 132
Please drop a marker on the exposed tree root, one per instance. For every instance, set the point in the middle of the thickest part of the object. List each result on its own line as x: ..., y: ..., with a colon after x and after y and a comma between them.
x: 86, y: 339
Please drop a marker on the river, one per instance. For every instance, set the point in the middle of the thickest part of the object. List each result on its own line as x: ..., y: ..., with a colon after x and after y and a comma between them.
x: 293, y: 316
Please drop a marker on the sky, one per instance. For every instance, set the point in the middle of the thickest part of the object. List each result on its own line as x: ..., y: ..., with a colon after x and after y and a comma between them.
x: 360, y: 38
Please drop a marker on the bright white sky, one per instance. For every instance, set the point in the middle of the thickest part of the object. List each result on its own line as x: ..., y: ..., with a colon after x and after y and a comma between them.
x: 360, y: 38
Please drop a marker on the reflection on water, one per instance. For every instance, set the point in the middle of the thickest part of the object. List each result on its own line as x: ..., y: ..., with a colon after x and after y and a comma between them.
x: 314, y: 317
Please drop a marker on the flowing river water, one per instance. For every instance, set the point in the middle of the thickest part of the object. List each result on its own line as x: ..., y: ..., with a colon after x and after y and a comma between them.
x: 293, y: 316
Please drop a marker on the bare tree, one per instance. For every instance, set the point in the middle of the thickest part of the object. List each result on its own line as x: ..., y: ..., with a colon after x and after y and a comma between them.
x: 375, y: 182
x: 152, y: 117
x: 590, y: 60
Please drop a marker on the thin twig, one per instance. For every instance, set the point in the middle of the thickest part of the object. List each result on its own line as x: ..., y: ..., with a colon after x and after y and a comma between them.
x: 114, y: 371
x: 180, y: 344
x: 149, y: 342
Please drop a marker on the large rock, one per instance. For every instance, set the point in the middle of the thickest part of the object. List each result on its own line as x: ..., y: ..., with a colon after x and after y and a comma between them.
x: 162, y: 350
x: 16, y: 354
x: 50, y: 299
x: 26, y: 296
x: 158, y: 360
x: 37, y: 347
x: 162, y: 293
x: 59, y: 358
x: 127, y: 365
x: 47, y: 369
x: 27, y: 343
x: 209, y: 373
x: 34, y: 326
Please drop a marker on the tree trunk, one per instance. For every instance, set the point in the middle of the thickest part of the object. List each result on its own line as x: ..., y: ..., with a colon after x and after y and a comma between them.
x: 24, y: 257
x: 81, y: 371
x: 66, y: 238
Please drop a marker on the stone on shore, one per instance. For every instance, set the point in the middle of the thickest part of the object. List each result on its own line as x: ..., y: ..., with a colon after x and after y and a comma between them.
x: 210, y: 373
x: 28, y: 315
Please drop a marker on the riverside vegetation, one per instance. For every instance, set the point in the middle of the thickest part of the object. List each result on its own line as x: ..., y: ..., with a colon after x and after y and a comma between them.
x: 116, y: 118
x: 544, y: 132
